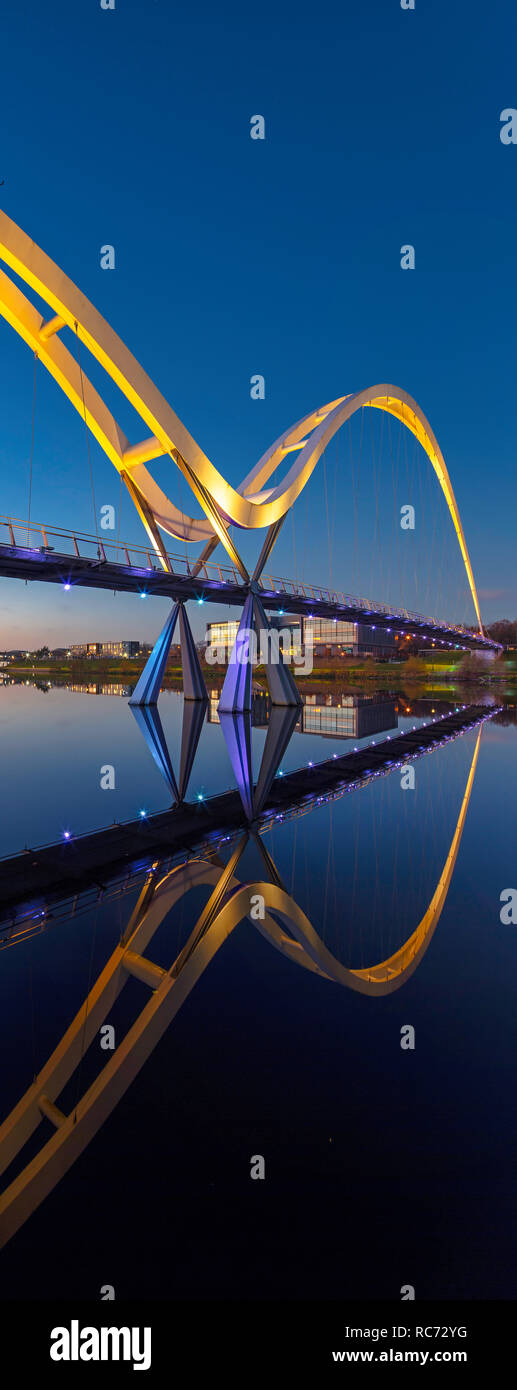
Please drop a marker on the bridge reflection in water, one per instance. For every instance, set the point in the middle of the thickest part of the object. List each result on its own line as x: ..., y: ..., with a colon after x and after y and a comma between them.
x: 232, y: 897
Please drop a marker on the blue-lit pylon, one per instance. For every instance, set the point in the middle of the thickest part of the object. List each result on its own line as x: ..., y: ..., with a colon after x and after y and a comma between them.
x: 150, y: 726
x: 237, y: 735
x: 236, y: 691
x: 280, y: 727
x: 148, y: 688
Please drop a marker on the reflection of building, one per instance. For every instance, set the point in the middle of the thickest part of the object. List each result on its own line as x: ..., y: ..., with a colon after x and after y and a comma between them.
x: 100, y: 688
x: 328, y: 637
x: 114, y: 688
x: 260, y: 708
x: 92, y: 649
x: 343, y: 716
x: 356, y: 716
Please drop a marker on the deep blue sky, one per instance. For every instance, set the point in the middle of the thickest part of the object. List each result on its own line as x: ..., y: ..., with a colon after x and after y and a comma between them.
x: 281, y: 257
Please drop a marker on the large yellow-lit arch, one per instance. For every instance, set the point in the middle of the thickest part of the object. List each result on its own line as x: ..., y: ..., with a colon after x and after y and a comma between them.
x: 252, y: 505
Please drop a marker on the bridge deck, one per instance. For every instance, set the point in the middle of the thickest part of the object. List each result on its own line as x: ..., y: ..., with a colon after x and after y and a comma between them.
x: 32, y: 882
x: 46, y: 565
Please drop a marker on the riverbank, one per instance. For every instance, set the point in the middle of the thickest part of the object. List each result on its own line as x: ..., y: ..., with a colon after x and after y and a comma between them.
x: 384, y: 675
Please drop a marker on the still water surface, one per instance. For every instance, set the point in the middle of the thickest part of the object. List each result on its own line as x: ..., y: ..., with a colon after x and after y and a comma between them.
x: 383, y: 1166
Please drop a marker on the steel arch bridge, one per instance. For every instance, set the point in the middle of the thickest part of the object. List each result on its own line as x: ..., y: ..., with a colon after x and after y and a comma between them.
x: 253, y: 505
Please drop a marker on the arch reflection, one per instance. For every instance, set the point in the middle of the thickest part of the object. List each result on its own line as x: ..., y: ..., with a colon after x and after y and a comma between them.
x: 284, y: 925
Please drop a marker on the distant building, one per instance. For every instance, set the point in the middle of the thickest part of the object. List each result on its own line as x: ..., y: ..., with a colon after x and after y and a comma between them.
x: 332, y: 638
x: 222, y: 635
x: 84, y: 649
x: 99, y: 649
x: 329, y: 638
x: 124, y: 649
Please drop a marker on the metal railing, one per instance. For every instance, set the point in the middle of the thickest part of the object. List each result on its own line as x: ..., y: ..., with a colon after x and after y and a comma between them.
x: 293, y: 589
x: 37, y: 537
x: 40, y: 538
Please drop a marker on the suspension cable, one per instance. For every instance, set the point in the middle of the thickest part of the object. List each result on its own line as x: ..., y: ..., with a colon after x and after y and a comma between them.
x: 329, y: 539
x: 86, y: 1007
x: 32, y: 446
x: 119, y: 513
x: 87, y: 433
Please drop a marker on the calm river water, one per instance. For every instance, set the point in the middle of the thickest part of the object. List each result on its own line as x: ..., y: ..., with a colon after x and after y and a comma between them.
x: 384, y: 1164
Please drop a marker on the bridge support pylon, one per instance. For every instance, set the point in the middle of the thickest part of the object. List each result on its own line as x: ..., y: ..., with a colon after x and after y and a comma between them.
x: 236, y: 691
x: 148, y: 688
x: 237, y: 736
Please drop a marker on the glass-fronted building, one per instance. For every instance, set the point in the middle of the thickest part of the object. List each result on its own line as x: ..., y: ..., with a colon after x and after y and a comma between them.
x: 120, y: 649
x: 328, y: 637
x: 221, y: 636
x: 355, y: 639
x: 92, y: 649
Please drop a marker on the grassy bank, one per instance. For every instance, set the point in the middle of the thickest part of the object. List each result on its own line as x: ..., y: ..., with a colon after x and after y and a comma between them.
x: 346, y: 671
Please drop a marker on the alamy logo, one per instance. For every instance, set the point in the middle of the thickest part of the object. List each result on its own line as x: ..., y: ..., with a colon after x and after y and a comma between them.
x: 275, y: 646
x: 101, y: 1344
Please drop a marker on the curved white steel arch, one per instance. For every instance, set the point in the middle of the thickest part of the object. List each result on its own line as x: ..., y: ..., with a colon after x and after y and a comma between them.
x: 249, y: 506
